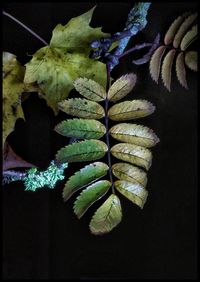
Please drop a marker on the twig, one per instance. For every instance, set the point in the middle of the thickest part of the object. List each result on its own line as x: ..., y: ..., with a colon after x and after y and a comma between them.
x: 25, y: 27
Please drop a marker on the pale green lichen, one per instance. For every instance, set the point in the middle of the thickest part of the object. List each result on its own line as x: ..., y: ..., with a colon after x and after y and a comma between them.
x: 37, y: 179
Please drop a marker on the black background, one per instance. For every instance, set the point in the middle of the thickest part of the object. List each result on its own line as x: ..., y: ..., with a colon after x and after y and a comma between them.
x: 41, y: 236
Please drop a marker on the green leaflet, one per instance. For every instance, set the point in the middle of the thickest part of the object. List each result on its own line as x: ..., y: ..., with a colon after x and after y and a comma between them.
x: 130, y: 173
x: 90, y: 195
x: 134, y: 134
x: 81, y: 128
x: 131, y: 110
x: 83, y: 177
x: 133, y: 154
x: 88, y: 150
x: 134, y: 192
x: 82, y: 108
x: 90, y: 89
x: 107, y: 216
x: 121, y: 87
x: 54, y: 68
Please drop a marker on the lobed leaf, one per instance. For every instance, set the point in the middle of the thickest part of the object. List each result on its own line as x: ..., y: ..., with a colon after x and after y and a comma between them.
x: 90, y: 89
x: 76, y: 34
x: 81, y: 128
x: 134, y: 134
x: 121, y: 87
x: 83, y: 177
x: 155, y: 63
x: 107, y: 217
x: 180, y: 70
x: 169, y: 36
x: 133, y: 154
x: 90, y: 195
x: 183, y: 29
x: 167, y: 68
x: 128, y: 172
x: 54, y: 68
x: 191, y: 60
x: 189, y: 37
x: 88, y: 150
x: 82, y: 108
x: 132, y: 191
x: 131, y: 110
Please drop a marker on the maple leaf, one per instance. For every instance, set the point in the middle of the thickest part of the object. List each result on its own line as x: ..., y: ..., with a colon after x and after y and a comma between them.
x: 56, y: 66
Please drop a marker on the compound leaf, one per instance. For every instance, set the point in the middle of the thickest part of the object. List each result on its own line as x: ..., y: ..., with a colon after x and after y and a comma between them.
x: 88, y: 150
x: 132, y: 191
x: 83, y: 177
x: 82, y: 108
x: 191, y: 60
x: 90, y: 195
x: 90, y: 89
x: 180, y: 70
x: 121, y: 87
x: 81, y: 128
x: 167, y: 68
x: 128, y: 172
x: 133, y: 154
x: 134, y: 134
x: 107, y: 217
x: 131, y: 110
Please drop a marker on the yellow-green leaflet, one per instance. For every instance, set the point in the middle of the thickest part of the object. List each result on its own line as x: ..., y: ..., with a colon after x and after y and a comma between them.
x: 81, y: 128
x: 88, y: 150
x: 132, y: 191
x: 133, y: 154
x: 90, y: 195
x: 107, y: 216
x: 121, y: 87
x: 134, y: 134
x: 90, y: 89
x: 83, y: 177
x: 131, y: 110
x: 82, y: 108
x: 129, y: 172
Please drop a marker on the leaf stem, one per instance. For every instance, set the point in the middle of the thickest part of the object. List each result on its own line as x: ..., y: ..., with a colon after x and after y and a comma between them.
x: 25, y: 27
x: 107, y: 128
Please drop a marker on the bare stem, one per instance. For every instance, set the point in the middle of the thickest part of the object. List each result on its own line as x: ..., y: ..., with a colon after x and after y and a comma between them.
x: 25, y: 27
x: 107, y: 128
x: 136, y: 47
